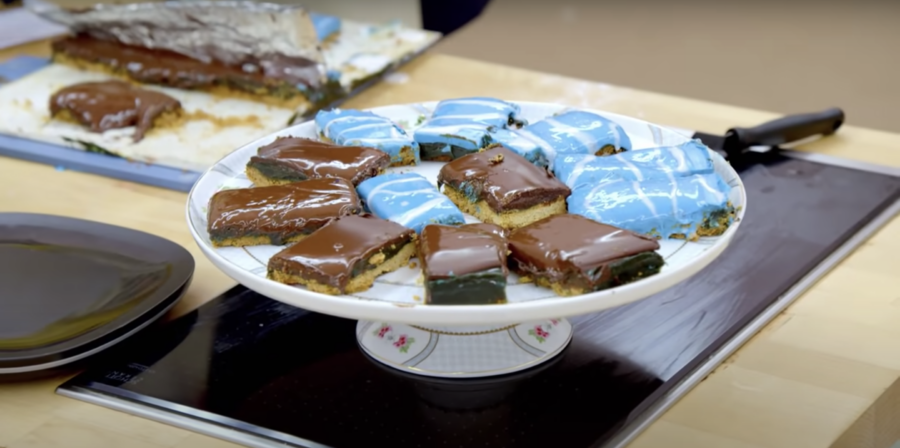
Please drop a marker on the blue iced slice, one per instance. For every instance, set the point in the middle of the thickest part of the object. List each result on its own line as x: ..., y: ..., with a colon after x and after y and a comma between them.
x: 449, y: 132
x: 479, y: 109
x: 351, y: 127
x: 522, y: 146
x: 463, y: 123
x: 576, y: 132
x: 408, y: 199
x: 689, y: 158
x: 659, y: 207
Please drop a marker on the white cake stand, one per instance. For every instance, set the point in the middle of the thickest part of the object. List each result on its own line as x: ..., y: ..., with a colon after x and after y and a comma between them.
x: 397, y: 329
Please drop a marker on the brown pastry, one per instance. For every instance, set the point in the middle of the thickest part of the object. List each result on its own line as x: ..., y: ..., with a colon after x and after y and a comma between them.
x: 501, y: 187
x: 292, y: 159
x: 281, y: 82
x: 574, y: 255
x: 463, y: 265
x: 345, y: 256
x: 101, y: 106
x: 278, y: 214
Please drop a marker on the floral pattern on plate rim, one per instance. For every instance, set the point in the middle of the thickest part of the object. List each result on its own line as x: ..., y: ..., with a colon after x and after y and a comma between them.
x: 402, y: 342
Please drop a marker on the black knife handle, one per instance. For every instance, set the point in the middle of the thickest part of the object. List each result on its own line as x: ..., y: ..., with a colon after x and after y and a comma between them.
x: 786, y: 129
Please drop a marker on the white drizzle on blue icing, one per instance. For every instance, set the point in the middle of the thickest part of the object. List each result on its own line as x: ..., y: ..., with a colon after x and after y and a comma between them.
x: 662, y: 206
x: 520, y: 145
x: 464, y: 123
x: 408, y: 199
x: 452, y: 131
x: 576, y: 132
x: 488, y: 111
x: 548, y: 148
x: 350, y: 127
x: 689, y: 158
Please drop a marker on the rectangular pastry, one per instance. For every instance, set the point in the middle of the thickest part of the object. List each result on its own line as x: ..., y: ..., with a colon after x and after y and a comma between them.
x: 170, y: 69
x: 689, y: 158
x: 278, y: 214
x: 577, y: 132
x: 292, y: 159
x: 264, y: 52
x: 500, y: 187
x: 348, y: 127
x: 574, y: 255
x: 460, y: 126
x: 678, y: 207
x: 345, y: 256
x: 463, y: 265
x: 408, y: 199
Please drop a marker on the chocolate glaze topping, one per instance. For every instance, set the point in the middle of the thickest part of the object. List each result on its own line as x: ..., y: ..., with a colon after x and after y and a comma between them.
x: 106, y: 105
x: 332, y: 254
x: 449, y: 251
x: 504, y: 179
x: 156, y: 66
x: 563, y: 246
x: 489, y: 228
x: 281, y: 210
x: 314, y: 159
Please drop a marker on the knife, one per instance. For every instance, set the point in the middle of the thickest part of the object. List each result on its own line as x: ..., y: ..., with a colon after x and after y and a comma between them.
x: 781, y: 131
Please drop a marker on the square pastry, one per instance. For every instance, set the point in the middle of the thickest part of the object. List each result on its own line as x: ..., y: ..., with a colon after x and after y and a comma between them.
x: 689, y: 158
x: 574, y: 255
x: 350, y: 127
x: 461, y: 126
x: 577, y: 132
x: 292, y: 159
x: 408, y: 199
x: 686, y: 207
x: 500, y: 187
x: 464, y: 265
x: 345, y: 256
x: 278, y: 214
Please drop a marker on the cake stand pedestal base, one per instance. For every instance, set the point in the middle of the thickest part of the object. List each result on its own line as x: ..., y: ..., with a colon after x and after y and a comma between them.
x: 463, y: 352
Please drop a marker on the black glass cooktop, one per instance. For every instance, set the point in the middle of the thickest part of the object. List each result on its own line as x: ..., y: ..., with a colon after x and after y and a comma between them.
x: 254, y: 370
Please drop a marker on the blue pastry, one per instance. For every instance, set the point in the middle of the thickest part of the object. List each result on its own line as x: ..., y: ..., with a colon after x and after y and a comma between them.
x: 577, y: 132
x: 479, y: 109
x: 666, y: 207
x: 460, y: 126
x: 522, y: 146
x: 408, y: 199
x: 348, y: 127
x: 326, y: 26
x: 688, y: 158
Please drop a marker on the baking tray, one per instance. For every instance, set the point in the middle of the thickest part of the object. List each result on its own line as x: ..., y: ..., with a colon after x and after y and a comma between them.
x: 174, y: 158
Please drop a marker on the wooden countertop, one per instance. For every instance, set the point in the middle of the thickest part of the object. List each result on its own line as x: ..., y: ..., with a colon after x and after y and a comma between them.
x: 823, y: 374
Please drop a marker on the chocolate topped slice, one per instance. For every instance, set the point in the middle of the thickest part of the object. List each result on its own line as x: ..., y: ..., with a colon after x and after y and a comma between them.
x: 501, y: 187
x: 291, y: 159
x: 489, y: 228
x: 463, y: 265
x: 574, y: 255
x: 275, y: 80
x: 345, y: 256
x: 278, y: 214
x: 106, y: 105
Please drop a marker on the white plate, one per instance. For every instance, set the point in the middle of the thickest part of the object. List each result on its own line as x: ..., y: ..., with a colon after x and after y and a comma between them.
x: 397, y: 296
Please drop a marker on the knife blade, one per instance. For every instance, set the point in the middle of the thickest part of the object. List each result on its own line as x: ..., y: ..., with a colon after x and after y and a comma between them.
x: 781, y: 131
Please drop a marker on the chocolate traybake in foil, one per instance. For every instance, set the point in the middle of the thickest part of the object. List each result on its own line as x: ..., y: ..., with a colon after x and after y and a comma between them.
x: 261, y: 51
